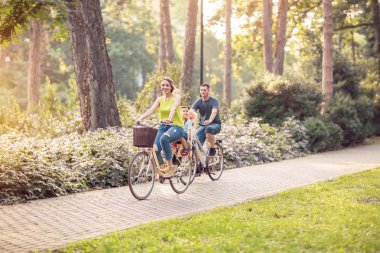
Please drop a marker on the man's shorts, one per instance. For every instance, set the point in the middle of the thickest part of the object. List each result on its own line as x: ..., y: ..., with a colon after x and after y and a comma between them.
x: 213, y: 128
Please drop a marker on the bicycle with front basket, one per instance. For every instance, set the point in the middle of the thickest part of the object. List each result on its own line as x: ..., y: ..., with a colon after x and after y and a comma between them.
x: 144, y: 166
x: 212, y: 165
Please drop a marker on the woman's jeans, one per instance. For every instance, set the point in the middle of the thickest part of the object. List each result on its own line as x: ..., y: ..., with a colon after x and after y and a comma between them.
x: 165, y: 136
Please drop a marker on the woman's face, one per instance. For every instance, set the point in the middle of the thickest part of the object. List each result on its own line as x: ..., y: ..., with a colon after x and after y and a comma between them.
x: 165, y: 87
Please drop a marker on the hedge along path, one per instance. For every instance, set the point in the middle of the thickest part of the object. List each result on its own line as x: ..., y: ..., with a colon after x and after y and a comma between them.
x: 52, y: 223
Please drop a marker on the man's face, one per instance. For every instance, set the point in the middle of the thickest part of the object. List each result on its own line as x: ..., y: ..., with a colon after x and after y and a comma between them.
x: 204, y: 91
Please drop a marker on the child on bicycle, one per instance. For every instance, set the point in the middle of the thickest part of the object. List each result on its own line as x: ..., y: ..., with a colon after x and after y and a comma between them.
x: 188, y: 124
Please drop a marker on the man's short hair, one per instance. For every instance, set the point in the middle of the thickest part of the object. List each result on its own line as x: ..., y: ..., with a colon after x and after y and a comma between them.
x: 205, y: 85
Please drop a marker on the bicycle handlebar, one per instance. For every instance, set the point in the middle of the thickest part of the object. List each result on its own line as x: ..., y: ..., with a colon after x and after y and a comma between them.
x: 139, y: 123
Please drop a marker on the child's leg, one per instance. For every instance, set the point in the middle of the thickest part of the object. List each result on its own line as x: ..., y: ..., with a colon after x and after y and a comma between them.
x: 184, y: 143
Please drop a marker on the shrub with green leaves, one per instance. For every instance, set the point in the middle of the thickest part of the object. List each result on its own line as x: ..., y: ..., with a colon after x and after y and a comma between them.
x: 35, y: 168
x: 127, y: 112
x: 276, y: 98
x: 323, y: 135
x: 346, y: 76
x: 254, y: 143
x: 342, y: 111
x: 370, y: 87
x: 365, y: 111
x: 46, y: 120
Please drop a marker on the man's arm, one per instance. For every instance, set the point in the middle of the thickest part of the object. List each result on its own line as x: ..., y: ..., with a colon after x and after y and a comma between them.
x: 214, y: 112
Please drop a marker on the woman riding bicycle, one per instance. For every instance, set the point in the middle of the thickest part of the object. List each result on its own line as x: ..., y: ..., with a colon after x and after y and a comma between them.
x: 171, y: 127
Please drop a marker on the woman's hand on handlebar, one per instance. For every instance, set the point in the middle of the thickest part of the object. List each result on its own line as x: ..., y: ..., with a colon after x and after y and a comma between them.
x: 167, y: 122
x: 138, y: 121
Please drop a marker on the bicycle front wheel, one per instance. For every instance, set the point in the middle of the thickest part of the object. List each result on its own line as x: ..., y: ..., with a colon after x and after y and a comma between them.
x: 141, y: 175
x: 216, y: 163
x: 194, y: 164
x: 181, y: 178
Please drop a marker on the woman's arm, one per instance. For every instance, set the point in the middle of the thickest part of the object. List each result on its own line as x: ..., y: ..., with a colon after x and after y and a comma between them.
x: 177, y: 102
x: 151, y: 110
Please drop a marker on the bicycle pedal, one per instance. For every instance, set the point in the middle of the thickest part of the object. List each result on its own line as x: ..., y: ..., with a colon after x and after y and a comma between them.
x: 161, y: 180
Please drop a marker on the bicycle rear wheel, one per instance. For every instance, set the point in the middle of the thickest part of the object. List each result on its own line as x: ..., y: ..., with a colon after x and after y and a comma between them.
x: 181, y: 178
x: 141, y: 175
x: 216, y: 163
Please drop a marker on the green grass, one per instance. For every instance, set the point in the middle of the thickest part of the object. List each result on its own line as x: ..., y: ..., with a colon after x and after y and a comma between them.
x: 337, y: 216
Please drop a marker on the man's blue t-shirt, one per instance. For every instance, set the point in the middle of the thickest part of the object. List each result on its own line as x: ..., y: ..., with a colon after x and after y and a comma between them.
x: 205, y: 109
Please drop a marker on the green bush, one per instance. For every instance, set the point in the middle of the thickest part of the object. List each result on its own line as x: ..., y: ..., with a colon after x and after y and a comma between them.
x: 127, y: 112
x: 275, y: 98
x: 35, y: 168
x: 51, y: 118
x: 365, y: 111
x: 343, y: 112
x: 323, y: 135
x: 370, y: 87
x: 346, y: 76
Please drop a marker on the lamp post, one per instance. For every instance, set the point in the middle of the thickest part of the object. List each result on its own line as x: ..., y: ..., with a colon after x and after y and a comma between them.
x: 201, y: 45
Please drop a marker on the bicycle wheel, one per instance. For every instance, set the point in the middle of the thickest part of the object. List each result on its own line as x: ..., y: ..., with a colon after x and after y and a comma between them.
x: 216, y: 163
x: 141, y: 175
x: 181, y: 178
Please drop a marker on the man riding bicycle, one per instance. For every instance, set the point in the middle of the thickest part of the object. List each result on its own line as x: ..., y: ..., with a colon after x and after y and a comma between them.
x: 210, y: 123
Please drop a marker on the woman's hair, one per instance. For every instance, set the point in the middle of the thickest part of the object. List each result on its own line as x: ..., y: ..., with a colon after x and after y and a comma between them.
x: 171, y: 82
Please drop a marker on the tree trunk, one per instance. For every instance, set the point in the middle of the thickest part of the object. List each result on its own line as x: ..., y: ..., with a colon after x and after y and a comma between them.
x: 165, y: 51
x: 161, y: 50
x: 376, y: 27
x: 353, y: 51
x: 280, y: 37
x: 227, y: 55
x: 267, y: 34
x: 161, y: 45
x: 34, y: 64
x: 189, y: 47
x: 169, y: 53
x: 92, y: 65
x: 327, y: 62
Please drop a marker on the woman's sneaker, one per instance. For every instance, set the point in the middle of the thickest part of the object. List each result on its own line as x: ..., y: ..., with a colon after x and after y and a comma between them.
x: 212, y: 152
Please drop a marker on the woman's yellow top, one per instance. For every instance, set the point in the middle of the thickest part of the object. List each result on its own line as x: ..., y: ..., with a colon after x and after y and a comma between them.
x: 166, y: 107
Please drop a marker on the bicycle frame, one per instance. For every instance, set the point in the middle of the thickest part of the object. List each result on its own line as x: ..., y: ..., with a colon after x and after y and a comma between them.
x: 200, y: 152
x: 153, y: 154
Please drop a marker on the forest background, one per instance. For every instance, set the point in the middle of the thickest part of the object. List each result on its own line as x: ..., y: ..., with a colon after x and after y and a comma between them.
x: 321, y: 94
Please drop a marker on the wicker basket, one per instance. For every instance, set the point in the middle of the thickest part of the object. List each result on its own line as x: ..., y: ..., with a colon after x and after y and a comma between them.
x: 143, y: 137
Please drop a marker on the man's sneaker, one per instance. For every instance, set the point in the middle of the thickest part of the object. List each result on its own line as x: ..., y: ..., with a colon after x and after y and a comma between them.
x: 212, y: 152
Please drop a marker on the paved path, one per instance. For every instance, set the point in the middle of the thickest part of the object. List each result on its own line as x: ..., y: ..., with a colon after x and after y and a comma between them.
x: 55, y: 222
